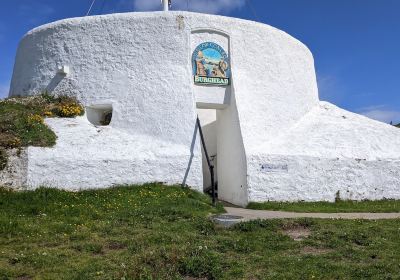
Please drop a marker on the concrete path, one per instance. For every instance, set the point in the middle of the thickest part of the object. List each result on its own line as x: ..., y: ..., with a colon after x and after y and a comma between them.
x: 249, y: 214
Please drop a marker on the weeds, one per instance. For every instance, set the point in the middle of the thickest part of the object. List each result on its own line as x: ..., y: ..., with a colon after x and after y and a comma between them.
x: 158, y: 232
x: 340, y: 205
x: 22, y: 121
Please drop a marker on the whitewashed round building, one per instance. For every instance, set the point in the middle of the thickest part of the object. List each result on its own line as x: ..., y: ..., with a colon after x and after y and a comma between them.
x: 253, y: 86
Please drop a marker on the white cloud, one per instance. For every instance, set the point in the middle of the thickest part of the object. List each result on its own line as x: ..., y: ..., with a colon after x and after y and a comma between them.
x: 381, y: 113
x: 202, y: 6
x: 4, y: 91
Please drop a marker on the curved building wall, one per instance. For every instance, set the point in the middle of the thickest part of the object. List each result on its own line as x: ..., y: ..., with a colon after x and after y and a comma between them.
x: 139, y: 64
x: 136, y: 63
x: 147, y: 56
x: 275, y: 140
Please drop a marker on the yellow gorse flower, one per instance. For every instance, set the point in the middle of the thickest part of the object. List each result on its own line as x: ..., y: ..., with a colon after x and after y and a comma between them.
x: 16, y: 142
x: 70, y: 110
x: 35, y: 119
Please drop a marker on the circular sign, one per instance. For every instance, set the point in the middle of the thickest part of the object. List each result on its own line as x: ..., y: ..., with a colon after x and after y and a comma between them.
x: 211, y: 64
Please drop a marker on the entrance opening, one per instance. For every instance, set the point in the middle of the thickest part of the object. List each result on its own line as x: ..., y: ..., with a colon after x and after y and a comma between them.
x: 215, y: 100
x: 223, y: 139
x: 208, y: 121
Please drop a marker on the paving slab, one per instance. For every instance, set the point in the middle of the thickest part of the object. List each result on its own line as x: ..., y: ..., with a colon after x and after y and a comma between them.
x: 249, y: 214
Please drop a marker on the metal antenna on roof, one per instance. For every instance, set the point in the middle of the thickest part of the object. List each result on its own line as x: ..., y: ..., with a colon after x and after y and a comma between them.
x: 90, y: 8
x: 166, y: 5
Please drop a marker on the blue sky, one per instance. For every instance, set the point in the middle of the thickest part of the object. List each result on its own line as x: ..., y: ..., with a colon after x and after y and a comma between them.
x: 356, y: 43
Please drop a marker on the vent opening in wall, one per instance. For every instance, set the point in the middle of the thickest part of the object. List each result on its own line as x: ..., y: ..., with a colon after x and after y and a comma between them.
x: 99, y: 114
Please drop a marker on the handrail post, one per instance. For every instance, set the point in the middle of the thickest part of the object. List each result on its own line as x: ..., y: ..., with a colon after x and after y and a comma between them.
x: 212, y: 185
x: 210, y: 165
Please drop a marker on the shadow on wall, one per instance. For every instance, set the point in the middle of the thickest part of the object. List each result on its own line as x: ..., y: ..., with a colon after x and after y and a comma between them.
x: 192, y: 145
x: 54, y: 82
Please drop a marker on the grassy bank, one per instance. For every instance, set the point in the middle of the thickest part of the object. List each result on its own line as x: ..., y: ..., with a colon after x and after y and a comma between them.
x: 22, y: 121
x: 342, y: 206
x: 156, y: 232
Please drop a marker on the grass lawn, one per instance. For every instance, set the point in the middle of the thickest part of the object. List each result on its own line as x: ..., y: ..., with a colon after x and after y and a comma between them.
x: 156, y: 232
x: 341, y: 206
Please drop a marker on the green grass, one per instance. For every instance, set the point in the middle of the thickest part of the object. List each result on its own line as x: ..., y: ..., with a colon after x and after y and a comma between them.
x: 341, y: 206
x: 157, y: 232
x: 22, y: 121
x: 15, y: 125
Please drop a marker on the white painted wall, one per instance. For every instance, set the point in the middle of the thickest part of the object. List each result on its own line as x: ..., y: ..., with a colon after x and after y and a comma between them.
x: 140, y: 63
x: 328, y: 131
x: 327, y: 151
x: 207, y: 116
x: 232, y: 166
x: 320, y: 178
x: 87, y: 157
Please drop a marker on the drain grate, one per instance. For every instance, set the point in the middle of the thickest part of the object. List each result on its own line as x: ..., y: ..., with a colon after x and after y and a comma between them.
x: 227, y: 220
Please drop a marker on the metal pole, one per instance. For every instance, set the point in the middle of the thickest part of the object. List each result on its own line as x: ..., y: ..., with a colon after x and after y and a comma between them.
x: 165, y: 5
x: 212, y: 184
x: 90, y: 8
x: 210, y: 165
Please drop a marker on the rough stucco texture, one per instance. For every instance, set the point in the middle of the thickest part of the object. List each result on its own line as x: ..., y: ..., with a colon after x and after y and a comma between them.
x: 329, y: 152
x: 83, y: 158
x: 322, y: 179
x: 139, y: 64
x: 14, y: 175
x: 288, y: 145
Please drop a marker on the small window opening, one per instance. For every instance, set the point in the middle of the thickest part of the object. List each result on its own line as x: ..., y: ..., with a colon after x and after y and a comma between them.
x: 99, y: 114
x: 107, y: 118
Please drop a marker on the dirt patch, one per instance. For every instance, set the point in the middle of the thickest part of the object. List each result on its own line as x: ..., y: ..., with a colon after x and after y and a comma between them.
x: 315, y: 251
x: 114, y: 245
x: 297, y: 232
x: 24, y: 277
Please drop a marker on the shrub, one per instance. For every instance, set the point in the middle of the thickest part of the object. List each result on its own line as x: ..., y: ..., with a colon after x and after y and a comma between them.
x: 9, y: 141
x: 48, y: 97
x: 69, y: 110
x: 22, y: 120
x: 48, y: 114
x: 35, y: 119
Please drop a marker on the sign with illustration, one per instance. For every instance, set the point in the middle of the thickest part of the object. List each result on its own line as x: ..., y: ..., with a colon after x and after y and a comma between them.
x: 210, y: 65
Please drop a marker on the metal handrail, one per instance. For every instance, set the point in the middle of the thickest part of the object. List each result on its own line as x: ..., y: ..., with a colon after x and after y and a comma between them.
x: 210, y: 165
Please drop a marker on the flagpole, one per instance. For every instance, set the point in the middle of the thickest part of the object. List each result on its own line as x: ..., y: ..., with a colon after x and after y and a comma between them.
x: 165, y: 5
